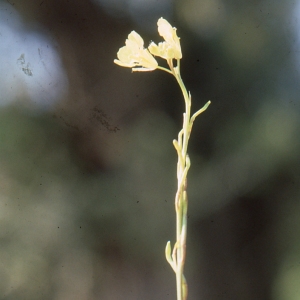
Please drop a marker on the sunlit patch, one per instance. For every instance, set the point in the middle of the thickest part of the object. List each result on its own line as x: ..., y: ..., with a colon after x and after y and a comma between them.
x: 30, y: 68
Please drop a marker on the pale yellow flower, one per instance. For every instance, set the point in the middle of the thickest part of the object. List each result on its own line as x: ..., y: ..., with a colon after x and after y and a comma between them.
x: 170, y: 49
x: 134, y: 55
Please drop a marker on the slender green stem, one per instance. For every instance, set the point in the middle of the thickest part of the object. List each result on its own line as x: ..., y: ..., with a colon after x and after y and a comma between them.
x: 177, y: 260
x: 181, y: 196
x: 164, y: 69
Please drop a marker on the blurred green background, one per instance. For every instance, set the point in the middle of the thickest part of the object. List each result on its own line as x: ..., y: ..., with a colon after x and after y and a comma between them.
x: 87, y: 166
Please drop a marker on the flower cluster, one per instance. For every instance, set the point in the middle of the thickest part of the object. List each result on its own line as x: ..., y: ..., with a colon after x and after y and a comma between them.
x: 134, y: 55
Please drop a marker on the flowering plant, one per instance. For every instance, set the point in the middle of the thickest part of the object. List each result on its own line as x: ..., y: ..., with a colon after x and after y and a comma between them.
x: 134, y: 55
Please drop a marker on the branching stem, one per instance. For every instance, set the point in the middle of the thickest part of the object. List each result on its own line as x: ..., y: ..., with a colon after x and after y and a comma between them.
x: 177, y: 260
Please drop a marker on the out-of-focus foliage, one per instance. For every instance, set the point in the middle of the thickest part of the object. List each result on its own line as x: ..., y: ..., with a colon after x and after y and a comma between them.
x: 87, y: 189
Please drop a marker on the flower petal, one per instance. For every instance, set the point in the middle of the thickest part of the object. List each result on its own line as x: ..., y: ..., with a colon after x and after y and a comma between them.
x: 172, y: 48
x: 147, y: 60
x: 133, y: 55
x: 155, y: 50
x: 136, y: 39
x: 165, y: 29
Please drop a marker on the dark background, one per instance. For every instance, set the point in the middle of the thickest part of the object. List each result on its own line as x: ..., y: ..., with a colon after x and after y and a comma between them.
x: 87, y: 166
